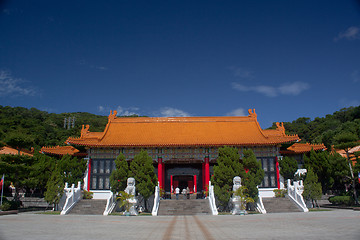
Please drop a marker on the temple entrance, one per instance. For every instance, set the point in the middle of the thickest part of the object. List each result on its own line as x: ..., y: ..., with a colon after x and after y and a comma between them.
x: 184, y: 182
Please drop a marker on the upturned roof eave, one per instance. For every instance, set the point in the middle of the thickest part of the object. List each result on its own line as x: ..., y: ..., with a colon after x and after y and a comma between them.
x: 83, y: 143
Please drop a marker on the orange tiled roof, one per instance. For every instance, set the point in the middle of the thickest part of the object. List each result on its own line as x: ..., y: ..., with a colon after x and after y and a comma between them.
x: 59, y: 150
x: 352, y: 152
x: 305, y: 147
x: 182, y: 131
x: 9, y: 150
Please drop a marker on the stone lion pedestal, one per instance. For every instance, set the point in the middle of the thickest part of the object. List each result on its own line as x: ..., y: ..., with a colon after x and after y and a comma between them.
x: 130, y: 189
x: 235, y: 199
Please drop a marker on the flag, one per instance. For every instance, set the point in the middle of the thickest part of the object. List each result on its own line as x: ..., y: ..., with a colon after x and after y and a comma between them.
x: 359, y: 176
x: 2, y: 182
x: 2, y: 188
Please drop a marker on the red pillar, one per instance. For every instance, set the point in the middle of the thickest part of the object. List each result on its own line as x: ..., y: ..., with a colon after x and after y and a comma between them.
x: 89, y: 175
x: 171, y: 184
x: 163, y: 174
x: 277, y: 172
x: 195, y: 183
x: 207, y: 173
x: 160, y: 172
x: 203, y: 176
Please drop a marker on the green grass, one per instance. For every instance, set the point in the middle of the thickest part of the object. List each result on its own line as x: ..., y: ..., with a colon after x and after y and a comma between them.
x: 224, y: 213
x: 319, y: 210
x: 49, y: 212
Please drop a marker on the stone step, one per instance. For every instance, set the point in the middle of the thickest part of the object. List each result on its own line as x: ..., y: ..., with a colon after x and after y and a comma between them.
x: 184, y: 207
x: 277, y: 205
x: 89, y: 207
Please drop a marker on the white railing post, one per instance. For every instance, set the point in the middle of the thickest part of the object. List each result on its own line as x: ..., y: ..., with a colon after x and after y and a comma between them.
x: 295, y: 193
x: 212, y: 200
x: 73, y: 195
x: 155, y: 209
x: 110, y: 204
x: 259, y: 204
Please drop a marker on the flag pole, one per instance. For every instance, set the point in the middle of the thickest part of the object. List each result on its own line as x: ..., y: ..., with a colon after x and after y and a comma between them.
x: 2, y: 188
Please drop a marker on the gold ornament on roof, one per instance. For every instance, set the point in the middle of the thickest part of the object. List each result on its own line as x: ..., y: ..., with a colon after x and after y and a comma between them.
x: 252, y: 113
x: 280, y: 127
x: 112, y: 115
x: 84, y: 130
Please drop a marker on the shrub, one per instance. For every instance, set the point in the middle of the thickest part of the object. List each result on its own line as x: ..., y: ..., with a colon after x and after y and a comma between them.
x: 10, y: 205
x: 280, y: 193
x: 341, y: 200
x: 87, y: 195
x: 5, y: 206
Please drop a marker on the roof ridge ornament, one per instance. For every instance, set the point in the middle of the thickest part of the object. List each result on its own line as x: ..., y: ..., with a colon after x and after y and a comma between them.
x: 112, y: 115
x: 252, y: 113
x: 280, y: 127
x: 84, y: 130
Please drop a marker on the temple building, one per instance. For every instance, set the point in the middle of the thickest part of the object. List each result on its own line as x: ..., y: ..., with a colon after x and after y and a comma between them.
x: 298, y: 150
x: 183, y: 149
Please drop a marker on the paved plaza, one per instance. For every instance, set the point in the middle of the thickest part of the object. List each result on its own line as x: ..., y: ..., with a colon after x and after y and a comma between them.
x: 336, y: 224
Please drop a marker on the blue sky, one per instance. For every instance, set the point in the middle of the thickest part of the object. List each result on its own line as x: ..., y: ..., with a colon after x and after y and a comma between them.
x: 286, y: 59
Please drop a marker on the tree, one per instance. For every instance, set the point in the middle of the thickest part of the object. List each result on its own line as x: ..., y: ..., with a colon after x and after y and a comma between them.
x: 119, y: 176
x: 319, y: 162
x: 228, y: 166
x: 242, y: 194
x: 312, y: 187
x: 340, y: 172
x: 288, y: 167
x: 41, y: 171
x: 254, y: 174
x: 16, y: 169
x: 142, y: 169
x: 72, y: 169
x: 19, y: 141
x: 346, y: 141
x: 54, y: 188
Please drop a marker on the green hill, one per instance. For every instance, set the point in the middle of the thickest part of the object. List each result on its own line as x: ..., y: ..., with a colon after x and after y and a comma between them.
x: 41, y: 128
x: 323, y: 130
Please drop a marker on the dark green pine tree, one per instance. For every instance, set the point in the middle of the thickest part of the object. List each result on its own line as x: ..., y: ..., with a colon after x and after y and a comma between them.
x: 288, y: 167
x: 346, y: 141
x: 254, y: 175
x: 54, y: 188
x: 41, y: 171
x: 142, y: 169
x: 72, y: 169
x: 319, y: 163
x: 118, y: 177
x: 312, y: 187
x: 228, y: 166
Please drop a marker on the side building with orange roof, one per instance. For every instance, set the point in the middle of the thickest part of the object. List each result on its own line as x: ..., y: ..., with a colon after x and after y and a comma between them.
x: 183, y: 149
x: 297, y: 151
x: 13, y: 151
x: 59, y: 151
x: 352, y: 154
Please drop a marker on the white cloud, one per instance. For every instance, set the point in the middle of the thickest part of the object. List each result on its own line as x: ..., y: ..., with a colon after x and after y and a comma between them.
x: 10, y: 86
x: 294, y: 89
x: 237, y: 112
x: 121, y: 111
x: 101, y: 108
x: 241, y: 72
x: 173, y: 112
x: 127, y: 111
x: 352, y: 33
x: 266, y: 90
x: 101, y: 68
